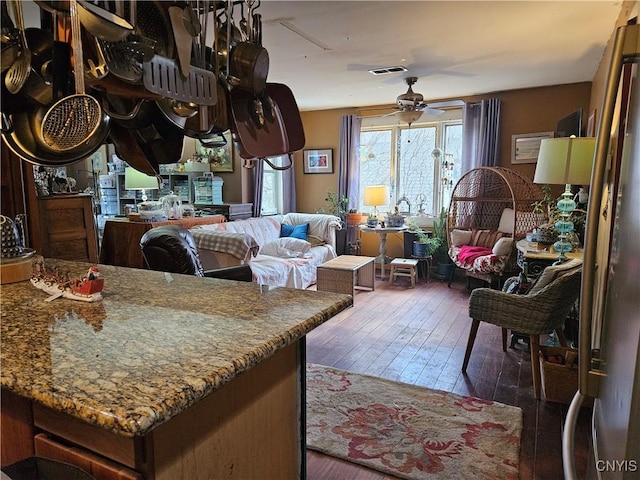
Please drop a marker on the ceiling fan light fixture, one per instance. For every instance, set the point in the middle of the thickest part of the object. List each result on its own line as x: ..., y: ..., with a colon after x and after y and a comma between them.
x: 409, y: 116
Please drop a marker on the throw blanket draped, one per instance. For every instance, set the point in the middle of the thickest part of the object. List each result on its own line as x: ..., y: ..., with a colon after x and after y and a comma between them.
x: 468, y: 253
x: 236, y: 244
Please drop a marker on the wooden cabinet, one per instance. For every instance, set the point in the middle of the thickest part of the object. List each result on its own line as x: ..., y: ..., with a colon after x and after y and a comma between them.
x: 97, y: 466
x: 67, y: 228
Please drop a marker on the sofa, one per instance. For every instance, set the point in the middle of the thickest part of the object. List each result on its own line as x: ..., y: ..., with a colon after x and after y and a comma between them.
x: 282, y: 250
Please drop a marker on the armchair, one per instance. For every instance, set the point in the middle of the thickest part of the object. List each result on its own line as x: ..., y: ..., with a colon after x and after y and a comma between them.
x: 171, y: 248
x: 531, y: 314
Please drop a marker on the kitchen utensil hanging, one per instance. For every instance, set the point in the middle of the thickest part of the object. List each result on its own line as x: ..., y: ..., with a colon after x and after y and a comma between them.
x: 23, y: 132
x: 101, y: 23
x: 162, y: 76
x: 75, y: 118
x: 21, y: 67
x: 126, y: 56
x: 281, y: 131
x: 184, y: 40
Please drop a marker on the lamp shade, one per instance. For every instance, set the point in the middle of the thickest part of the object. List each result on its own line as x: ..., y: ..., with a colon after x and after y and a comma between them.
x: 376, y: 195
x: 135, y: 180
x: 564, y: 161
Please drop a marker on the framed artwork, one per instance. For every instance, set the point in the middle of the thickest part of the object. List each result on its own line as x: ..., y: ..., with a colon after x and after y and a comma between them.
x: 318, y: 161
x: 525, y: 147
x: 220, y: 157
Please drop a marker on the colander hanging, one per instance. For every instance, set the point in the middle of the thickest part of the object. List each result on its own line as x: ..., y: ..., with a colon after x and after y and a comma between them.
x: 74, y: 119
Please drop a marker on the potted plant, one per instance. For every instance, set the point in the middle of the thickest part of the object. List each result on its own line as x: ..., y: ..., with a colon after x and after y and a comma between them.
x: 425, y: 243
x: 336, y: 205
x: 355, y: 218
x: 372, y: 220
x: 441, y: 255
x: 545, y: 233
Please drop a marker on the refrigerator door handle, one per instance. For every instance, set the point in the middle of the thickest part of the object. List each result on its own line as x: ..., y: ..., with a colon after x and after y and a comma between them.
x: 624, y: 47
x: 568, y: 438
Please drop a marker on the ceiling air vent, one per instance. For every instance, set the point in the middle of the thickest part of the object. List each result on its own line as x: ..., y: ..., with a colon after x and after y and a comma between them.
x: 386, y: 70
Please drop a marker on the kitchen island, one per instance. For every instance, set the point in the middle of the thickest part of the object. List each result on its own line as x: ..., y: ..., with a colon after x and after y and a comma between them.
x: 169, y: 376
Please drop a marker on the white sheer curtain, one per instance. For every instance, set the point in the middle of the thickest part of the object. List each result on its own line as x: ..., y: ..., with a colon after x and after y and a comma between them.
x: 349, y: 161
x: 481, y: 135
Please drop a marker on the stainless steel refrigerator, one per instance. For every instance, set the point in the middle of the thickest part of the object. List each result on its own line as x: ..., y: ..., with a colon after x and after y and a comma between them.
x: 609, y: 346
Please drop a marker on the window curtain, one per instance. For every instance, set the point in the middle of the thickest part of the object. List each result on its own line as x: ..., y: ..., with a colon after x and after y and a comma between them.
x: 349, y: 161
x: 258, y: 171
x: 289, y: 188
x: 481, y: 135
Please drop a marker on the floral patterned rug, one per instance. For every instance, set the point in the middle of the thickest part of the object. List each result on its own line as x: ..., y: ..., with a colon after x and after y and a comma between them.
x: 410, y: 432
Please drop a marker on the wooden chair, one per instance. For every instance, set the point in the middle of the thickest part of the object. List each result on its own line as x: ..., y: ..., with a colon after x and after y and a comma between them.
x: 531, y: 314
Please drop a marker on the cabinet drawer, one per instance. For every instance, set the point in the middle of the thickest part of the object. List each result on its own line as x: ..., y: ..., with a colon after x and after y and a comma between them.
x: 100, y: 467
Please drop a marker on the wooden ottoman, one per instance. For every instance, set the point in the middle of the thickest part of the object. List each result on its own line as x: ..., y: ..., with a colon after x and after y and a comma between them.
x: 346, y: 274
x: 404, y: 267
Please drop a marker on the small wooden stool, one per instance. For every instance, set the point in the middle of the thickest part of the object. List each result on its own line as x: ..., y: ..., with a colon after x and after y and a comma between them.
x: 404, y: 267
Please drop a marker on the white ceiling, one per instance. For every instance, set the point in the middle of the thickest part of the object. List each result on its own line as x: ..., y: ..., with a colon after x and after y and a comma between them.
x: 456, y: 48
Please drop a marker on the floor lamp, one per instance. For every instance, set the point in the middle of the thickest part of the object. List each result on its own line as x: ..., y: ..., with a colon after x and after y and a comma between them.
x: 565, y: 161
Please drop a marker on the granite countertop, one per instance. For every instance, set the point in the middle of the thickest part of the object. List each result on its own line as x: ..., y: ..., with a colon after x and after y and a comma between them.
x: 155, y: 345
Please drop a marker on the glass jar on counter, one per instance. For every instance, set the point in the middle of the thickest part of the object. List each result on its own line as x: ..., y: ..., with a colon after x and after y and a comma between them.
x: 172, y: 206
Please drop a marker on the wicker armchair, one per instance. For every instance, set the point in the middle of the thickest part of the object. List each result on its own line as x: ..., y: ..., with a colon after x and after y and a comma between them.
x: 532, y: 314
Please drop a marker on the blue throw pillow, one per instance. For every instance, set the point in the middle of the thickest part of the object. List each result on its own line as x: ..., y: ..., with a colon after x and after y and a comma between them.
x: 295, y: 231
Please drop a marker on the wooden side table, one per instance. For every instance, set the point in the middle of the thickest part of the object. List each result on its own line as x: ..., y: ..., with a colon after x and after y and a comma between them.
x: 382, y: 258
x: 121, y: 238
x: 538, y: 257
x: 346, y: 274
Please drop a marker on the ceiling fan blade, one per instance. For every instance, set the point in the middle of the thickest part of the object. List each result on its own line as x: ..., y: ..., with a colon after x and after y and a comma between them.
x: 431, y: 111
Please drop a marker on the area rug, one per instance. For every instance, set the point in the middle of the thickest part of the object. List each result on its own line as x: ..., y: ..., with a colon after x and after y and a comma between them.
x: 408, y: 431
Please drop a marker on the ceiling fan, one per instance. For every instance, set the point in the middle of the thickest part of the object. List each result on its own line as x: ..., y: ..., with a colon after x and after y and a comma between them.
x: 411, y: 105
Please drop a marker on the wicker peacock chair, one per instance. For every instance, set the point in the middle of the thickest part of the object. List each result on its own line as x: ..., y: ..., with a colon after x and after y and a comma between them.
x: 478, y: 202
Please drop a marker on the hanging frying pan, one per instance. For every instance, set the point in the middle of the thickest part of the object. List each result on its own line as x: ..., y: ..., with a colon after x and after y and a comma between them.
x: 256, y: 138
x: 283, y: 97
x: 128, y: 148
x: 266, y: 132
x: 25, y: 138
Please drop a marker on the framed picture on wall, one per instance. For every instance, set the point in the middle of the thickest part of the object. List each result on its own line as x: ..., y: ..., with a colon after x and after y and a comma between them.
x: 318, y: 161
x: 526, y: 146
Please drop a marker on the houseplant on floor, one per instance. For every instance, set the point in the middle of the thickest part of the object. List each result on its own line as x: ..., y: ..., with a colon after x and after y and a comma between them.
x: 426, y: 243
x: 338, y: 206
x: 444, y: 265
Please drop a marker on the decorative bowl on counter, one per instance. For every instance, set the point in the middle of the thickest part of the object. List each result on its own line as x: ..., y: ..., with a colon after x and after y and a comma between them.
x: 395, y: 220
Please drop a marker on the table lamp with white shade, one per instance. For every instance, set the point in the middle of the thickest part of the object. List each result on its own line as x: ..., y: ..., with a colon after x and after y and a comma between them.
x: 136, y: 180
x: 565, y: 161
x: 376, y: 196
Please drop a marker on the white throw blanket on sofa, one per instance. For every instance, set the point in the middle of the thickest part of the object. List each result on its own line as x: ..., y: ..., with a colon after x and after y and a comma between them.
x: 288, y: 270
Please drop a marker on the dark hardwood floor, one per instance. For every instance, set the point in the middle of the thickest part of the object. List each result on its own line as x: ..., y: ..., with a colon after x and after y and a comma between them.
x: 418, y: 336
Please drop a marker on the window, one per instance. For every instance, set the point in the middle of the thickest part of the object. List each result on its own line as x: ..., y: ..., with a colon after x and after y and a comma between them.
x: 272, y: 191
x: 404, y: 159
